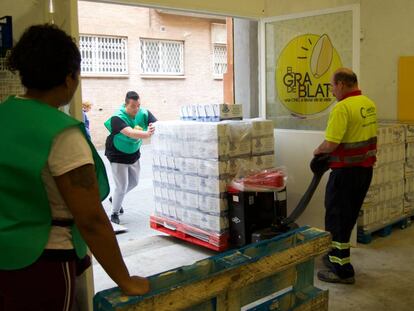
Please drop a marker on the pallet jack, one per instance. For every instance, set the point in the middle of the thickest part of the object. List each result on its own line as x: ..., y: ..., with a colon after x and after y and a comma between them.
x: 257, y: 216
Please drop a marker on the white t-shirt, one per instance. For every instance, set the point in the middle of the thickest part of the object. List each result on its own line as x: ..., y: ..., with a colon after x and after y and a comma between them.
x: 69, y: 151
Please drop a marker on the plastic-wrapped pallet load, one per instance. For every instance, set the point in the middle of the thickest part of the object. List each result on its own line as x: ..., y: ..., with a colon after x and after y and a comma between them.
x: 409, y: 133
x: 194, y: 161
x: 384, y: 201
x: 211, y: 113
x: 263, y: 143
x: 190, y: 174
x: 409, y: 170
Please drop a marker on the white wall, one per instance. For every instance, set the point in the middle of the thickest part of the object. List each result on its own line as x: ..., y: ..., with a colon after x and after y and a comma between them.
x: 387, y: 34
x: 385, y: 25
x: 237, y: 8
x: 25, y: 13
x: 294, y: 149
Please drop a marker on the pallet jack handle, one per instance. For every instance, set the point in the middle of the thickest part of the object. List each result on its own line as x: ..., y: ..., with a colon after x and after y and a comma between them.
x: 319, y: 165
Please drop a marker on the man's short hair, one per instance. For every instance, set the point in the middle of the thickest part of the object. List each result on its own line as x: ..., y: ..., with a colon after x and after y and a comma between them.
x: 348, y: 77
x: 131, y: 95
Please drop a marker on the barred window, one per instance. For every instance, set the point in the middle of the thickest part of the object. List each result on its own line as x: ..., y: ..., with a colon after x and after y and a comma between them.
x: 9, y: 82
x: 219, y: 60
x: 162, y: 57
x: 103, y: 55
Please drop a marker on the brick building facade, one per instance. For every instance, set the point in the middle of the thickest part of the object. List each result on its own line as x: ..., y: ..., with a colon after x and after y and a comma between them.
x: 195, y: 83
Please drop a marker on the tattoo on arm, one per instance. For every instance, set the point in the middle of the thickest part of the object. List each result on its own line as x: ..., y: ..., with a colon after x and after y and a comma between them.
x: 83, y: 176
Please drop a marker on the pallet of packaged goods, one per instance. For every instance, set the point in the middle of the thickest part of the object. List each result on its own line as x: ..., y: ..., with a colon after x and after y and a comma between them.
x: 216, y: 241
x: 390, y: 132
x: 409, y: 195
x: 275, y: 274
x: 193, y: 162
x: 409, y: 132
x: 384, y: 202
x: 408, y: 205
x: 409, y: 172
x: 366, y: 234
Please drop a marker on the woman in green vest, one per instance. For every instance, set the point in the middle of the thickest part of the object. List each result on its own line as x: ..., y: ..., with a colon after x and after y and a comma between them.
x: 52, y: 183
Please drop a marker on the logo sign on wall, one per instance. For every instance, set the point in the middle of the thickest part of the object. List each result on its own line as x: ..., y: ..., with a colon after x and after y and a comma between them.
x: 303, y: 74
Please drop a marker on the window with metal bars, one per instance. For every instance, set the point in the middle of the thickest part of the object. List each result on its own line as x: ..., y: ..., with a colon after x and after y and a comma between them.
x: 103, y: 55
x: 219, y: 60
x: 9, y: 82
x: 162, y: 57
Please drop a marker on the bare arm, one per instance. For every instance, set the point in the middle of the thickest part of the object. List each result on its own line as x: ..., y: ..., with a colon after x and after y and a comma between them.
x: 325, y: 147
x: 79, y: 189
x: 138, y: 134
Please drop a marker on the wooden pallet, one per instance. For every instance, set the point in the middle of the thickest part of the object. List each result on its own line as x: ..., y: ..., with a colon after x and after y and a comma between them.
x: 365, y: 236
x: 275, y: 274
x: 214, y: 241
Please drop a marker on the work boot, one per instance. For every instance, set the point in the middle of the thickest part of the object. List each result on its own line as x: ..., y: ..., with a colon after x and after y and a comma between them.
x: 327, y: 263
x: 121, y: 211
x: 115, y: 219
x: 331, y: 277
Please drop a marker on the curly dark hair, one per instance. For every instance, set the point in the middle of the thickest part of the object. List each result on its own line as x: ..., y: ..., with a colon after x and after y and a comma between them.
x: 44, y: 56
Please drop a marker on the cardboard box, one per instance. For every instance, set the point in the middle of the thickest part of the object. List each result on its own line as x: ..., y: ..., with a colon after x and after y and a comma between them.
x: 409, y: 133
x: 187, y: 199
x: 227, y: 112
x: 212, y: 168
x: 214, y: 150
x: 263, y: 145
x: 190, y: 183
x: 209, y: 185
x: 390, y: 133
x: 214, y: 223
x: 262, y: 162
x: 240, y: 143
x: 212, y: 204
x: 261, y: 127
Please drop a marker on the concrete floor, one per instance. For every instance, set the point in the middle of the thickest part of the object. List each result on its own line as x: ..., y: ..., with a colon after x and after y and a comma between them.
x: 384, y: 268
x: 384, y: 276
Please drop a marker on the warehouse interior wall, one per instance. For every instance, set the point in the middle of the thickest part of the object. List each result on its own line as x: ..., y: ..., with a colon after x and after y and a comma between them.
x: 246, y: 66
x: 237, y: 8
x: 26, y: 13
x: 386, y: 34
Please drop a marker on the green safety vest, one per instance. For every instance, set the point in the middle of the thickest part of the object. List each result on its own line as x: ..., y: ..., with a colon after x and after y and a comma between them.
x: 122, y: 142
x: 29, y: 128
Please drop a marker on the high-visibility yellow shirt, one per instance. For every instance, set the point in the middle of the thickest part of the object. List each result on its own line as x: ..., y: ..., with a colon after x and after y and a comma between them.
x: 353, y: 119
x: 353, y: 125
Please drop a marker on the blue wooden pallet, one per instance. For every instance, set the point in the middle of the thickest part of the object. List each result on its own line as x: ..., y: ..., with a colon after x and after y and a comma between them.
x: 365, y: 236
x: 275, y: 274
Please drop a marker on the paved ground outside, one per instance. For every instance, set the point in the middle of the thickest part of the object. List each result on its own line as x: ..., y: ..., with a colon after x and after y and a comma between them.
x: 138, y: 203
x: 145, y: 251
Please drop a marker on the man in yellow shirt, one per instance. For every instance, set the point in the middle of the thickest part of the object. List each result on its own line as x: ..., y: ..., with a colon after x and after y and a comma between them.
x: 351, y: 142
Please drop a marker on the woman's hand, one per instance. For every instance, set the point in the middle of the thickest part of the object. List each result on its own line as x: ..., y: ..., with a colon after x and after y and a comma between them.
x: 137, y: 285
